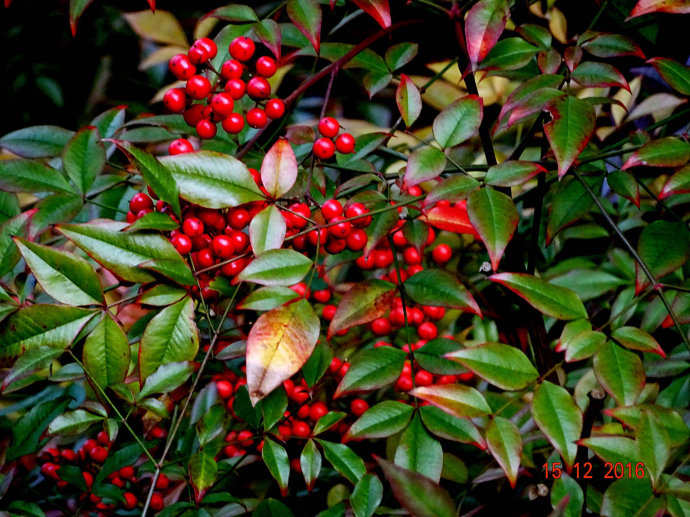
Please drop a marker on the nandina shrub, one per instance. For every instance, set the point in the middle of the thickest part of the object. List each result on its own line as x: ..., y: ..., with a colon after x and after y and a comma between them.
x: 481, y: 308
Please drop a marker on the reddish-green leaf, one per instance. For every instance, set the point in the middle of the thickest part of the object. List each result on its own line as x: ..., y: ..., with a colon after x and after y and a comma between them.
x: 607, y: 45
x: 372, y: 369
x: 276, y: 459
x: 31, y: 176
x: 306, y: 15
x: 344, y: 460
x: 552, y: 300
x: 202, y: 473
x: 613, y: 448
x: 559, y: 418
x: 654, y: 446
x: 535, y: 34
x: 566, y: 487
x: 212, y: 180
x: 310, y: 462
x: 455, y: 399
x: 278, y: 345
x: 366, y: 496
x: 84, y: 158
x: 624, y: 184
x: 418, y: 494
x: 679, y: 183
x: 440, y: 288
x: 455, y: 188
x: 64, y: 276
x: 664, y: 246
x: 399, y: 55
x: 570, y: 203
x: 233, y: 13
x: 171, y: 336
x: 279, y: 168
x: 620, y: 373
x: 637, y: 339
x: 676, y: 74
x: 580, y: 344
x: 383, y: 419
x: 501, y: 365
x: 484, y: 24
x: 512, y: 173
x: 416, y: 232
x: 268, y: 31
x: 424, y: 164
x: 505, y: 444
x: 595, y: 75
x: 76, y: 8
x: 106, y: 352
x: 73, y: 422
x: 409, y: 100
x: 530, y: 98
x: 673, y: 423
x: 277, y: 267
x: 664, y: 152
x: 267, y: 230
x: 20, y: 225
x: 37, y: 141
x: 27, y: 364
x: 419, y: 452
x: 451, y: 218
x: 380, y: 226
x: 458, y: 121
x: 327, y: 421
x: 363, y: 303
x: 28, y: 429
x: 659, y: 6
x: 495, y: 218
x: 509, y: 54
x: 449, y: 427
x: 430, y: 357
x: 377, y: 9
x: 571, y: 127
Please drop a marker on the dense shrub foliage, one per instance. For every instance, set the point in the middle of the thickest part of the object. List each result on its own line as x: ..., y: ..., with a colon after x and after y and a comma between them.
x: 423, y: 258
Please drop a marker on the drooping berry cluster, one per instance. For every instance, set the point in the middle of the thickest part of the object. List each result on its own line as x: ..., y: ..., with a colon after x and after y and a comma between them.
x: 325, y: 147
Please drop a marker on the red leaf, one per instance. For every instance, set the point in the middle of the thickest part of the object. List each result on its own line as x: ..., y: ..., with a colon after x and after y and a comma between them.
x: 152, y: 5
x: 379, y: 10
x: 451, y: 218
x: 660, y: 6
x: 484, y: 24
x: 306, y: 15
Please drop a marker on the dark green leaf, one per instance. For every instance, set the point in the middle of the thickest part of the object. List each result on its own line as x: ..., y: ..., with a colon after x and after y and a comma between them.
x: 383, y: 419
x: 455, y: 399
x: 419, y: 452
x: 306, y: 15
x: 363, y: 303
x: 277, y: 267
x: 570, y: 129
x: 106, y: 352
x: 73, y: 422
x: 37, y: 141
x: 267, y: 298
x: 310, y: 462
x: 458, y: 121
x: 167, y: 378
x: 202, y: 473
x: 84, y: 158
x: 344, y: 460
x: 676, y: 74
x: 663, y: 246
x: 495, y: 218
x: 28, y: 429
x: 31, y: 176
x: 620, y: 373
x: 505, y: 444
x: 372, y: 369
x: 366, y: 496
x: 440, y: 288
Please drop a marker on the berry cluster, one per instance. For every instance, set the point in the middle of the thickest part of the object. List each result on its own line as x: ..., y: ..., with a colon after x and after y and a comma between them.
x: 325, y: 147
x: 220, y: 94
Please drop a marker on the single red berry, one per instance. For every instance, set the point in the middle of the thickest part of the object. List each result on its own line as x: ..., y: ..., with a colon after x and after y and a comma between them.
x: 303, y: 412
x: 413, y: 270
x: 340, y: 229
x: 300, y: 288
x: 328, y: 312
x: 435, y: 313
x: 233, y: 124
x: 442, y: 253
x: 301, y: 429
x: 158, y: 432
x: 300, y: 221
x: 68, y: 455
x: 50, y: 470
x: 411, y: 256
x: 245, y: 438
x: 162, y: 482
x: 240, y: 241
x: 234, y: 268
x: 317, y: 410
x: 206, y: 258
x: 180, y: 146
x: 193, y: 114
x: 383, y: 258
x: 381, y: 327
x: 356, y: 239
x: 157, y: 503
x: 397, y: 317
x: 256, y: 118
x: 358, y: 407
x: 127, y: 472
x: 336, y: 363
x: 231, y: 69
x: 193, y: 227
x: 197, y: 55
x: 206, y: 129
x: 222, y: 104
x: 335, y: 245
x: 345, y: 143
x: 359, y: 211
x: 223, y: 246
x: 208, y: 45
x: 266, y: 66
x: 343, y: 369
x: 365, y: 262
x: 318, y: 237
x: 175, y: 100
x: 242, y: 48
x: 130, y: 501
x: 423, y: 378
x: 331, y: 209
x: 98, y: 454
x: 404, y: 382
x: 427, y: 330
x: 225, y: 389
x: 198, y: 87
x: 236, y: 88
x: 239, y: 218
x: 88, y: 479
x: 324, y: 148
x: 181, y: 67
x: 322, y: 295
x: 258, y: 88
x: 329, y: 127
x: 415, y: 316
x: 415, y: 191
x: 103, y: 438
x: 275, y: 108
x: 140, y: 202
x: 446, y: 379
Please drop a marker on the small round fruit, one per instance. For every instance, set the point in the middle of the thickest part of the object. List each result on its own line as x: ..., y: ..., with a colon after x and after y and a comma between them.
x: 331, y: 209
x: 157, y: 503
x: 329, y: 127
x: 208, y: 45
x: 180, y: 146
x: 206, y: 129
x: 233, y: 124
x: 127, y: 472
x: 335, y: 245
x: 423, y: 378
x: 239, y: 218
x: 356, y: 239
x: 303, y: 213
x: 162, y: 482
x: 242, y: 48
x: 140, y: 202
x: 301, y: 429
x: 411, y: 256
x: 442, y: 253
x: 225, y: 389
x: 318, y: 409
x: 222, y: 104
x: 223, y: 246
x: 324, y: 148
x: 358, y: 407
x: 266, y: 66
x: 231, y: 69
x: 258, y: 88
x: 130, y: 501
x: 256, y: 118
x: 275, y: 108
x: 175, y: 100
x: 182, y: 243
x: 328, y: 312
x: 381, y: 327
x: 340, y: 229
x: 198, y: 87
x: 181, y: 67
x: 197, y: 55
x: 359, y: 211
x: 193, y: 227
x: 383, y: 258
x: 236, y: 88
x: 193, y: 114
x: 345, y: 143
x: 427, y: 330
x: 98, y: 454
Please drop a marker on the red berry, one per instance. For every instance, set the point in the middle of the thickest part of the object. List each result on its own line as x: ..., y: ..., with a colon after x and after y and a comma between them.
x: 317, y: 410
x: 303, y: 412
x: 181, y: 67
x: 193, y: 227
x: 236, y: 88
x: 423, y: 378
x: 340, y: 229
x: 175, y: 100
x: 130, y: 500
x: 225, y: 389
x: 381, y: 327
x: 157, y: 503
x: 427, y: 330
x: 397, y: 317
x: 193, y: 114
x: 222, y: 104
x: 158, y: 432
x: 331, y: 209
x: 68, y: 455
x: 88, y: 479
x: 98, y: 454
x: 127, y: 472
x: 162, y: 482
x: 103, y: 438
x: 256, y: 118
x: 300, y: 288
x: 197, y: 55
x: 382, y: 258
x: 242, y: 48
x: 275, y: 108
x: 318, y: 237
x: 239, y: 218
x: 244, y: 438
x: 358, y: 210
x: 231, y: 69
x: 324, y: 148
x: 413, y: 270
x: 345, y: 143
x: 411, y: 256
x: 233, y: 124
x: 335, y: 245
x: 180, y: 146
x: 365, y: 262
x: 399, y: 239
x: 235, y: 267
x: 140, y: 202
x: 240, y: 241
x: 328, y: 312
x: 435, y: 313
x: 301, y: 429
x: 208, y: 45
x: 206, y: 129
x: 358, y: 407
x: 258, y: 88
x: 223, y: 246
x: 198, y: 87
x: 50, y: 470
x: 404, y: 383
x: 415, y: 316
x: 356, y: 239
x: 266, y: 66
x: 300, y: 221
x: 205, y: 258
x: 322, y: 295
x: 329, y: 127
x: 415, y: 191
x: 442, y: 253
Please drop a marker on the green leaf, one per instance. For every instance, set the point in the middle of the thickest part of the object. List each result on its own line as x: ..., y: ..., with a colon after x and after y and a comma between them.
x: 17, y: 226
x: 268, y: 31
x: 160, y: 26
x: 620, y: 373
x: 268, y: 508
x: 431, y: 357
x: 273, y: 407
x: 64, y: 276
x: 327, y: 421
x: 171, y: 336
x: 202, y: 473
x: 73, y: 422
x: 664, y: 152
x: 637, y: 339
x: 679, y: 183
x: 631, y: 497
x: 122, y: 457
x: 156, y: 175
x: 424, y: 164
x: 512, y: 173
x: 153, y: 221
x: 419, y: 452
x: 27, y: 364
x: 106, y: 352
x: 559, y: 418
x: 383, y: 419
x: 535, y: 34
x: 317, y: 364
x: 602, y: 44
x: 108, y: 122
x: 495, y: 218
x: 416, y: 232
x: 458, y: 121
x: 350, y: 466
x: 399, y: 55
x: 612, y: 449
x: 9, y: 206
x: 363, y: 303
x: 563, y: 487
x: 663, y: 246
x: 31, y: 176
x: 233, y: 13
x: 454, y: 188
x: 84, y: 158
x: 381, y: 225
x: 28, y: 429
x: 455, y: 399
x: 598, y: 75
x: 418, y: 494
x: 552, y: 300
x: 54, y: 209
x: 41, y: 325
x: 501, y: 365
x: 484, y: 24
x: 571, y: 127
x: 267, y: 298
x: 267, y: 230
x: 653, y: 444
x: 279, y: 169
x: 37, y: 141
x: 409, y: 102
x: 124, y: 253
x: 579, y: 341
x: 167, y: 378
x: 277, y: 267
x: 366, y: 496
x: 371, y: 369
x: 509, y: 54
x: 673, y: 423
x: 212, y: 180
x: 504, y: 442
x: 310, y: 462
x: 676, y: 74
x: 530, y: 98
x: 624, y: 184
x: 571, y: 201
x: 450, y: 427
x: 306, y: 15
